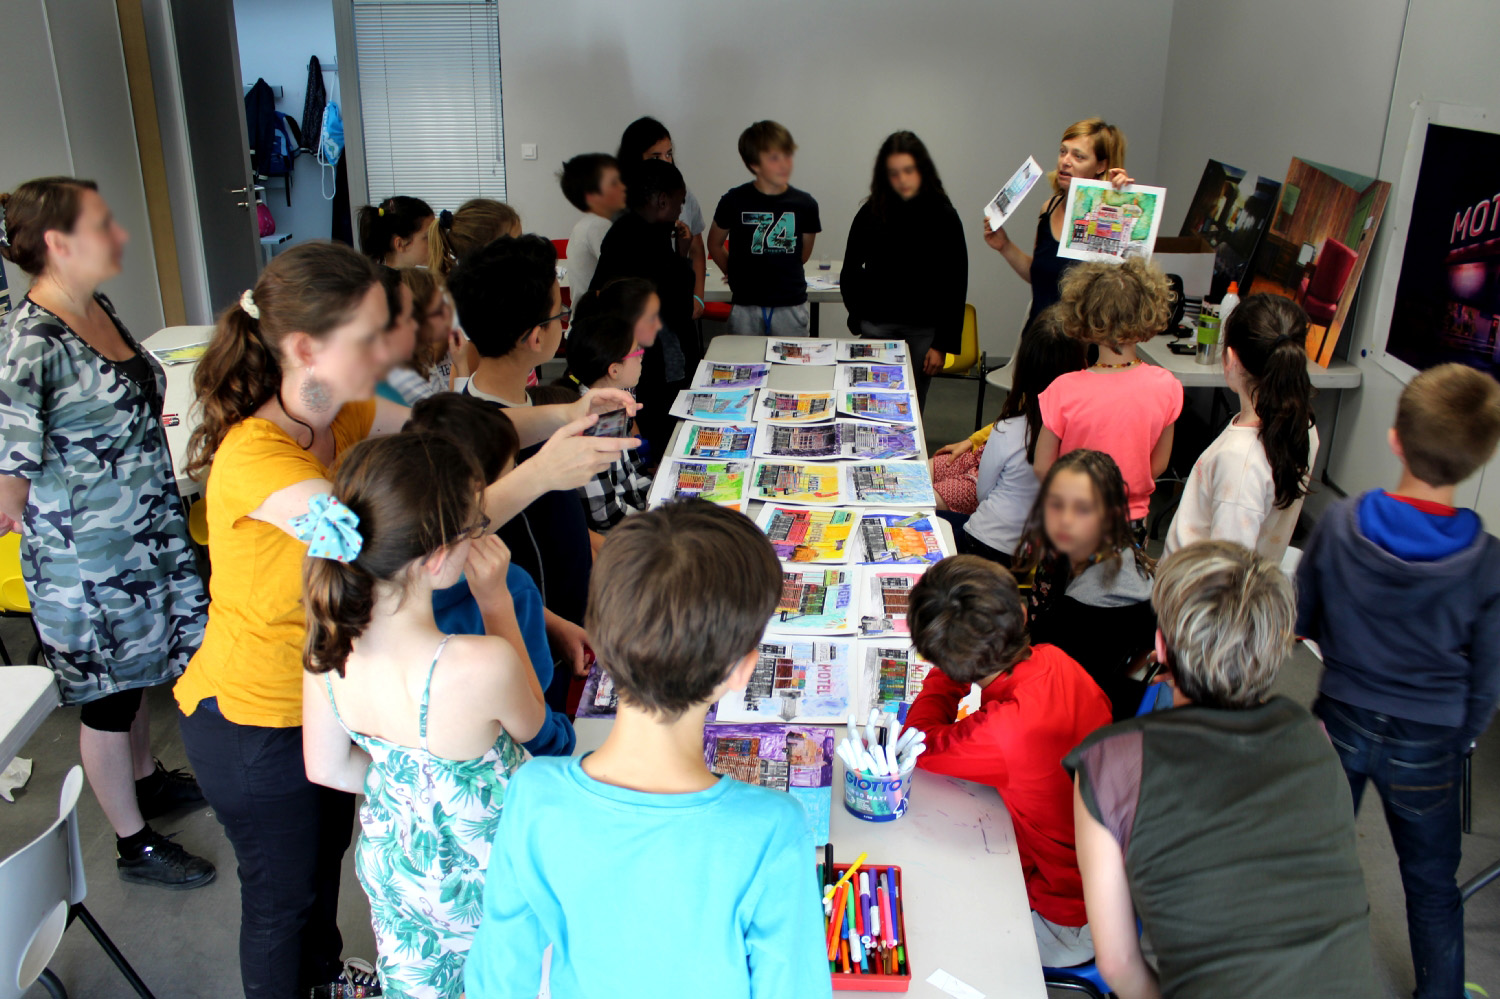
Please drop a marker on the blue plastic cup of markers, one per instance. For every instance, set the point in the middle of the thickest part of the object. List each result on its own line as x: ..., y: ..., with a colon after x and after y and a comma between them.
x: 876, y: 799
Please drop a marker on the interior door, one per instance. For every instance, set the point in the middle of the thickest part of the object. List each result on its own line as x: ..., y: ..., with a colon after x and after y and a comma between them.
x: 202, y: 110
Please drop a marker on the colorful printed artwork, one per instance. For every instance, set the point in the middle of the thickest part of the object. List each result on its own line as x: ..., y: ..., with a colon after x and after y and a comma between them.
x: 722, y: 482
x: 813, y: 440
x: 725, y: 441
x: 819, y: 601
x: 1100, y: 223
x: 898, y: 539
x: 800, y: 350
x: 797, y: 759
x: 710, y: 406
x: 802, y: 535
x: 599, y: 699
x: 885, y: 377
x: 795, y: 482
x: 886, y: 595
x: 889, y: 676
x: 795, y: 407
x: 1003, y: 205
x: 892, y: 407
x: 891, y: 483
x: 1446, y: 304
x: 796, y: 680
x: 718, y: 375
x: 843, y: 439
x: 874, y: 351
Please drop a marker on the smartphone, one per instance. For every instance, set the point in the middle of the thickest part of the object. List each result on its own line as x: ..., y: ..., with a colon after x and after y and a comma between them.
x: 615, y: 424
x: 1186, y: 349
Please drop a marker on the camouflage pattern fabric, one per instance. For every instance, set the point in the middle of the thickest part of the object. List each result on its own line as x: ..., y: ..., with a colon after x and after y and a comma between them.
x: 105, y: 554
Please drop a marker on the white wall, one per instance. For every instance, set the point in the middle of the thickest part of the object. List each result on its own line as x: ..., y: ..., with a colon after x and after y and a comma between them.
x: 984, y: 84
x: 276, y: 38
x: 1254, y: 85
x: 1448, y: 56
x: 66, y: 110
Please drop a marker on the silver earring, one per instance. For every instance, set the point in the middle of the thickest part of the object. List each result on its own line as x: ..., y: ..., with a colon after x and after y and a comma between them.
x: 315, y: 394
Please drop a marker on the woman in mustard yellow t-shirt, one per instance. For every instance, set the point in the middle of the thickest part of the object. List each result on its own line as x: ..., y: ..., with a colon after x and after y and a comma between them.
x: 287, y: 385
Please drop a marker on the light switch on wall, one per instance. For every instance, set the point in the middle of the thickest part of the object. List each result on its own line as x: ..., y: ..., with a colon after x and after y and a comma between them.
x: 528, y: 150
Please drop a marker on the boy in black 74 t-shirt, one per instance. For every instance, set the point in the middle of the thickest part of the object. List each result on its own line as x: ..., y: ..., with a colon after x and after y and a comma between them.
x: 770, y: 227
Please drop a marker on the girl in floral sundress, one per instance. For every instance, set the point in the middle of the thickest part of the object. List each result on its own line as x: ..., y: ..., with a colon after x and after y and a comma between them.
x: 428, y: 725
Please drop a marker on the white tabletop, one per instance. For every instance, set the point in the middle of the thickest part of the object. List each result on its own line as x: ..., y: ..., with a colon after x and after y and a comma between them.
x: 27, y: 696
x: 178, y: 400
x: 965, y: 898
x: 716, y: 288
x: 1338, y: 374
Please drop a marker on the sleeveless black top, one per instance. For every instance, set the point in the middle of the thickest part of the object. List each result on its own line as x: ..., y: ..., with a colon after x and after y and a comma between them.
x: 1047, y: 268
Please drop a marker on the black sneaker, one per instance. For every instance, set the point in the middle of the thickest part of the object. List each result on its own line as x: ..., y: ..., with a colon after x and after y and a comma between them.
x: 357, y: 981
x: 164, y: 864
x: 164, y: 791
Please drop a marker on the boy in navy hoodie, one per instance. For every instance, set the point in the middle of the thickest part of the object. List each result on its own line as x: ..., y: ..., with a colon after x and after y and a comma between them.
x: 1402, y: 592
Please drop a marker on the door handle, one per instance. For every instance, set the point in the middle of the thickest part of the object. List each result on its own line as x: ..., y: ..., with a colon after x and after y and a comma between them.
x: 254, y: 199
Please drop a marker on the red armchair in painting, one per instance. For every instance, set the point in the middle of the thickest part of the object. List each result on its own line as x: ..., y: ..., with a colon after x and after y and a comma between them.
x: 1324, y: 284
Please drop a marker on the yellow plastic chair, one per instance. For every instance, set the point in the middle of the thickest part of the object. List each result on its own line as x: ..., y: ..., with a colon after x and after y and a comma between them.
x: 198, y: 522
x: 969, y: 362
x: 13, y: 599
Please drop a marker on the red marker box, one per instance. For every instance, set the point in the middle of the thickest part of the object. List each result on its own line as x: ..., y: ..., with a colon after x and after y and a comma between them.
x: 876, y: 980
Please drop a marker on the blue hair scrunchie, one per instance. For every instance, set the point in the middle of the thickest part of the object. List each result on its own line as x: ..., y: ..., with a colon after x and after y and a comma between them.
x: 330, y: 529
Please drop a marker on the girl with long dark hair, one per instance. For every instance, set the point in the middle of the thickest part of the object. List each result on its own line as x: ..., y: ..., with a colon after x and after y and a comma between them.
x: 906, y: 267
x: 1248, y: 486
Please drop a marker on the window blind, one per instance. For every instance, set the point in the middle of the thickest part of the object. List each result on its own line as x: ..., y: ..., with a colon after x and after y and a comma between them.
x: 429, y: 82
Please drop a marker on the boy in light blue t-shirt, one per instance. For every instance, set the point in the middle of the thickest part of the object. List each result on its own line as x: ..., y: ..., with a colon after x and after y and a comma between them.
x: 647, y: 874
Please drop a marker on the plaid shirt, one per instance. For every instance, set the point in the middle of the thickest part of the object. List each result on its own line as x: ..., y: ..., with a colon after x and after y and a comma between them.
x: 618, y: 491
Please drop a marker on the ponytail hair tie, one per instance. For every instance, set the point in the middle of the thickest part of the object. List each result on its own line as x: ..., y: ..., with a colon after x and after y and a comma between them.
x: 574, y: 379
x: 247, y: 303
x: 380, y: 211
x: 445, y: 220
x: 330, y: 529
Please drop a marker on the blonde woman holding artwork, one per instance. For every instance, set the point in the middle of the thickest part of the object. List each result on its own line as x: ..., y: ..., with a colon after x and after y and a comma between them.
x: 1091, y: 148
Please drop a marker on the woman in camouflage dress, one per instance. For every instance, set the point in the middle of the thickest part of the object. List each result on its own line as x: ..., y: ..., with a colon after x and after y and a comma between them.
x: 86, y: 479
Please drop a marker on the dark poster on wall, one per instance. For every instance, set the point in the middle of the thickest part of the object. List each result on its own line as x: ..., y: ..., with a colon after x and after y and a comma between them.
x: 1448, y: 298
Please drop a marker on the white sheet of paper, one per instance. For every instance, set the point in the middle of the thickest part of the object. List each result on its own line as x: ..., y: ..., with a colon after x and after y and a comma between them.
x: 1003, y: 205
x: 956, y: 988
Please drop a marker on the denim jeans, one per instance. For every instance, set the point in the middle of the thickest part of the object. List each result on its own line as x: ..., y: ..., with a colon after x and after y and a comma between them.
x: 289, y: 837
x: 1417, y: 768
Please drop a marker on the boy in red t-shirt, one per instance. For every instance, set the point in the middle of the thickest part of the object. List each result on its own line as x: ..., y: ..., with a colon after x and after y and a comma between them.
x: 1036, y: 704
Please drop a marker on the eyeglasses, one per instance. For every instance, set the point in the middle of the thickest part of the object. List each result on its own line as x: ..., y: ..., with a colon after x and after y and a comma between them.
x: 564, y: 314
x: 638, y: 352
x: 474, y: 531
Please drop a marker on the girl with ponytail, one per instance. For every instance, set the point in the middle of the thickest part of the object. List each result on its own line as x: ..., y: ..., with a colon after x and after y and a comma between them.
x: 395, y: 232
x: 428, y: 726
x: 477, y: 223
x: 285, y: 388
x: 1248, y: 486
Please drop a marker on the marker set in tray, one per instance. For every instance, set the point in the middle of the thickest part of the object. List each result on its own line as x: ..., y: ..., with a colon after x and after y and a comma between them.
x: 864, y: 925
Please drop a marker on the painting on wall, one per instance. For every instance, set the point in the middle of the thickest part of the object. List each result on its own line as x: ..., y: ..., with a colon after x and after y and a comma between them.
x: 1447, y: 304
x: 1317, y: 245
x: 1231, y: 211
